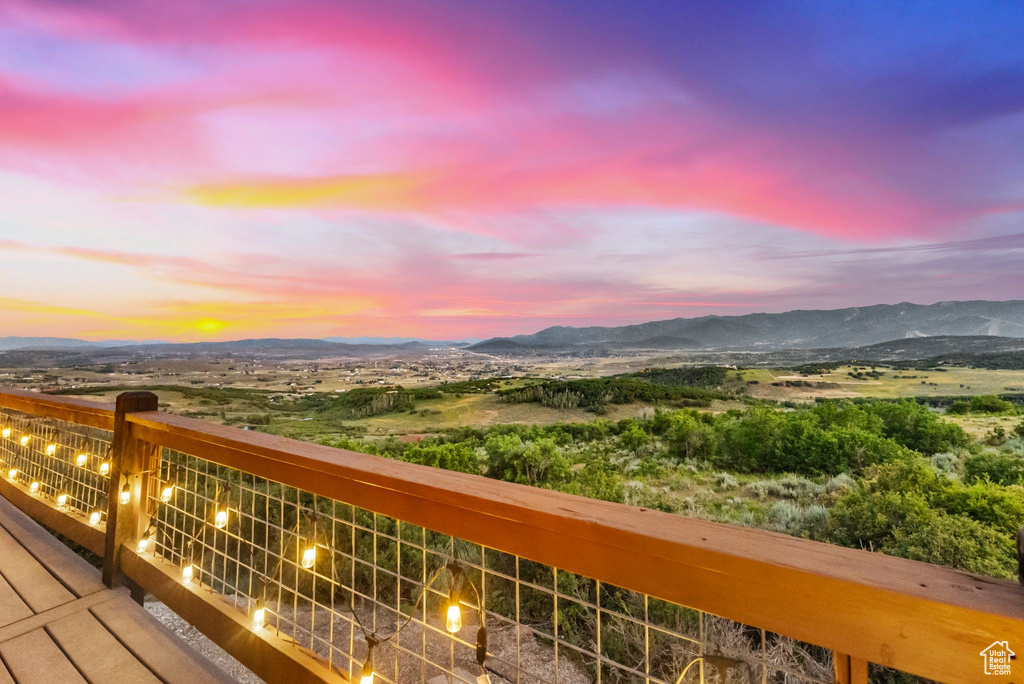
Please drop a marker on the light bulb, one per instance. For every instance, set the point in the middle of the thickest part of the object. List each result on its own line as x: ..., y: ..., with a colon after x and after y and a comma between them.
x: 221, y: 519
x: 62, y: 500
x: 366, y: 674
x: 12, y: 473
x: 454, y: 623
x: 186, y: 573
x: 166, y: 492
x: 94, y: 518
x: 81, y: 459
x: 309, y: 557
x: 51, y: 449
x: 143, y: 545
x: 24, y: 441
x: 125, y: 496
x: 33, y: 488
x: 6, y: 433
x: 105, y: 468
x: 259, y: 618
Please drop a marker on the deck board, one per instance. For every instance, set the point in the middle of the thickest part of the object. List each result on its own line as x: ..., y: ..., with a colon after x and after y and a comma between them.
x: 96, y: 653
x: 12, y: 608
x: 72, y: 571
x: 37, y: 588
x: 60, y: 624
x: 34, y: 658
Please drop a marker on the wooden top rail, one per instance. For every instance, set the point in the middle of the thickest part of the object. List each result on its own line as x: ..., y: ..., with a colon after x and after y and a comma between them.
x: 916, y: 617
x: 70, y: 409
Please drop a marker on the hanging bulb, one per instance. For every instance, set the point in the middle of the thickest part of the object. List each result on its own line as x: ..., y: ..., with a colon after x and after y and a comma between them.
x: 105, y: 468
x: 6, y: 433
x: 94, y: 518
x: 220, y: 520
x: 143, y: 545
x: 51, y: 449
x: 24, y: 440
x: 454, y: 622
x: 81, y: 459
x: 126, y: 495
x: 166, y: 492
x: 309, y: 557
x: 259, y: 617
x: 62, y: 500
x: 12, y: 473
x: 33, y: 488
x: 187, y: 572
x: 366, y: 674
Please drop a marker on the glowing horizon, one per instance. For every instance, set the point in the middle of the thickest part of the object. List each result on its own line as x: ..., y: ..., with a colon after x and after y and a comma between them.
x: 452, y: 169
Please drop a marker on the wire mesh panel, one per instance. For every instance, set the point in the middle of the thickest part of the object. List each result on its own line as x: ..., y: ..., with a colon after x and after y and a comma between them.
x: 336, y: 579
x: 65, y: 462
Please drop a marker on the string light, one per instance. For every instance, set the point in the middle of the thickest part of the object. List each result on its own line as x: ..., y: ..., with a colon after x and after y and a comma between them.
x: 34, y: 487
x: 12, y: 473
x: 51, y: 449
x: 454, y: 620
x: 24, y: 440
x: 126, y: 495
x: 143, y: 545
x: 309, y: 557
x: 6, y: 433
x: 81, y: 459
x: 105, y: 468
x: 62, y: 500
x: 166, y: 493
x: 94, y: 518
x: 220, y: 520
x: 187, y: 573
x: 259, y: 616
x: 366, y: 674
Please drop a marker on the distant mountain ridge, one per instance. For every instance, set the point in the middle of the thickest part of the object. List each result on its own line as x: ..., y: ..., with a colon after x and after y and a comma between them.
x: 801, y: 329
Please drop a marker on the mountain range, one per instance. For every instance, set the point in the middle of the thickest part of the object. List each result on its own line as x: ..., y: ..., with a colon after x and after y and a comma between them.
x: 852, y: 327
x: 794, y: 330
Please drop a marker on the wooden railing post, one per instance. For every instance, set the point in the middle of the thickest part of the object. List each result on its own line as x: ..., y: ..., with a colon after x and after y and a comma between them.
x: 132, y: 464
x: 850, y: 670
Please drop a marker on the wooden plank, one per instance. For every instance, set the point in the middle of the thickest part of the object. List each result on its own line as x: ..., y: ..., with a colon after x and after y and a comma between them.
x: 72, y: 525
x: 68, y: 567
x: 39, y: 621
x: 5, y: 676
x: 12, y: 608
x: 155, y: 646
x: 73, y: 410
x: 34, y: 658
x: 37, y: 588
x: 95, y: 652
x: 915, y: 617
x: 272, y: 658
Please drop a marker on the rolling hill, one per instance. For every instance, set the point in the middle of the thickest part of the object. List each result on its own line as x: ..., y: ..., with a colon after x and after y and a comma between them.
x: 852, y: 327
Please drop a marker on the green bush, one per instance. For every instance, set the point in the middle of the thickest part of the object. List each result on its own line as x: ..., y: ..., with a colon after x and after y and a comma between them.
x: 997, y: 466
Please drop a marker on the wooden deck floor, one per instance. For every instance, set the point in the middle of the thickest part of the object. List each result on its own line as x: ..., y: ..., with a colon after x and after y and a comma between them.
x: 60, y: 625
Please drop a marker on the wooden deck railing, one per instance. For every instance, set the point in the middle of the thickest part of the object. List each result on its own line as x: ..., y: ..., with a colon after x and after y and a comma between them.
x: 914, y: 617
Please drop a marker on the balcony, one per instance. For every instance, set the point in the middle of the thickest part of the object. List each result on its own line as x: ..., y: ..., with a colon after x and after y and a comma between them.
x: 300, y: 559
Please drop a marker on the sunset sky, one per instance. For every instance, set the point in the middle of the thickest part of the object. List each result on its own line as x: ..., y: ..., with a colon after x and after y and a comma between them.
x: 192, y: 170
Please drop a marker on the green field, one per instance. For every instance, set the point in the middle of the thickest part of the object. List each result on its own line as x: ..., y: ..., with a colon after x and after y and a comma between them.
x: 892, y: 384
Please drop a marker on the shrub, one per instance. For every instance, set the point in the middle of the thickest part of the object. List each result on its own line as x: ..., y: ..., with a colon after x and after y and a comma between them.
x: 725, y: 481
x: 810, y: 522
x: 997, y: 466
x: 990, y: 403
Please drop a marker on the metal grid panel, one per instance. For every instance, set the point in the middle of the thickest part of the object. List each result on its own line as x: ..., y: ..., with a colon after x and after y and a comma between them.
x: 372, y: 574
x: 63, y: 458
